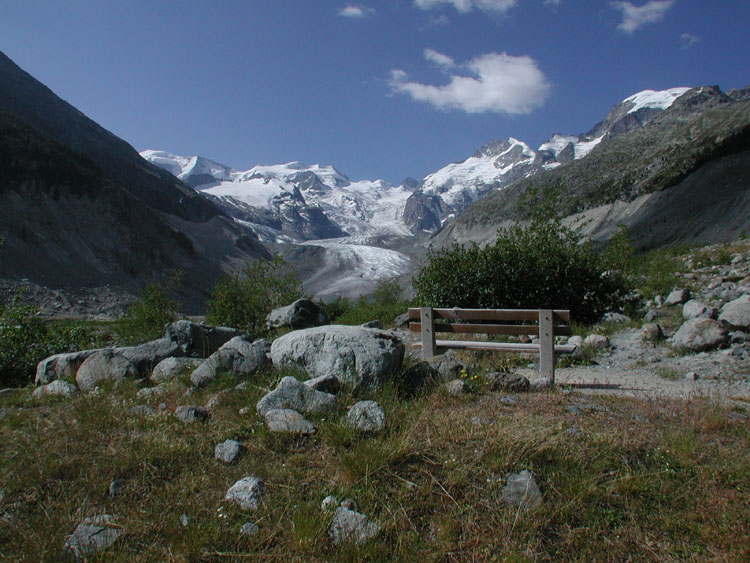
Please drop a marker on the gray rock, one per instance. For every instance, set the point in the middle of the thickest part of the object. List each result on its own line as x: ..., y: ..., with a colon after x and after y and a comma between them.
x: 515, y: 383
x: 303, y: 313
x: 652, y: 332
x: 700, y: 334
x: 401, y: 320
x: 508, y: 400
x: 677, y: 297
x: 456, y: 387
x: 420, y: 374
x: 521, y: 490
x: 146, y: 356
x: 191, y: 413
x: 447, y: 366
x: 738, y: 337
x: 692, y: 376
x: 249, y: 529
x: 168, y: 368
x: 329, y: 503
x: 367, y: 416
x: 596, y: 341
x: 694, y: 309
x: 373, y: 324
x: 60, y: 366
x: 104, y: 365
x: 58, y: 388
x: 616, y: 318
x: 293, y: 394
x: 288, y: 421
x: 92, y: 535
x: 247, y: 492
x: 349, y: 526
x: 361, y: 357
x: 199, y: 340
x: 228, y: 451
x: 239, y: 357
x: 576, y: 340
x: 651, y: 315
x: 736, y: 313
x: 149, y: 393
x: 325, y: 383
x: 141, y: 410
x: 116, y: 487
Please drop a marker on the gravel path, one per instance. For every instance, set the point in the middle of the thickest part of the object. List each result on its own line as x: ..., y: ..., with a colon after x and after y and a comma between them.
x: 632, y: 367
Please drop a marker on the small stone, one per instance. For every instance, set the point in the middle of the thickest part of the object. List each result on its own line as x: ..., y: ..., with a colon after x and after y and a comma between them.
x: 116, y: 487
x: 228, y: 451
x: 373, y: 324
x: 456, y: 387
x: 329, y: 503
x: 366, y: 416
x: 191, y: 413
x: 572, y: 409
x: 677, y: 297
x: 738, y: 337
x: 288, y: 420
x: 652, y: 332
x: 351, y: 527
x: 691, y: 375
x: 515, y: 383
x: 58, y: 387
x: 141, y: 410
x: 245, y: 410
x: 521, y: 490
x: 651, y: 315
x: 616, y: 318
x: 293, y: 394
x: 246, y: 492
x: 184, y: 520
x: 596, y: 341
x: 508, y: 400
x: 92, y: 535
x: 249, y: 529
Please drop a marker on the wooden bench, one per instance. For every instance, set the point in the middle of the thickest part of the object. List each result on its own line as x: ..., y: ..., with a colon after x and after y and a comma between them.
x: 544, y: 323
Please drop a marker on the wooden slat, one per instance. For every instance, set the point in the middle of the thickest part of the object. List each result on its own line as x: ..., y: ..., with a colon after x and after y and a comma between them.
x: 529, y: 330
x: 491, y: 314
x: 500, y: 346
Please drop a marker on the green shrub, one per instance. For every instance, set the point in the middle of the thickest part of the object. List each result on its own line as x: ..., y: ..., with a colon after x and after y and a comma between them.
x: 26, y: 339
x: 145, y: 319
x: 243, y: 300
x: 536, y: 264
x: 386, y: 304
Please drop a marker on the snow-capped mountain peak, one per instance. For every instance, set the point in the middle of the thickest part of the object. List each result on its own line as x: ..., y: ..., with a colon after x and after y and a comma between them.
x: 654, y: 99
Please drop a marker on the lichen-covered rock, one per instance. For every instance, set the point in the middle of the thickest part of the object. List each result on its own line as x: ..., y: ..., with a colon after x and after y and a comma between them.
x: 104, y: 365
x: 366, y: 416
x: 288, y: 421
x: 92, y: 535
x: 239, y: 357
x: 246, y: 492
x: 57, y: 388
x: 349, y: 526
x: 228, y: 451
x: 199, y: 340
x: 737, y: 313
x: 303, y: 313
x: 293, y: 394
x: 522, y: 490
x: 361, y: 357
x: 168, y: 368
x: 511, y: 382
x: 700, y: 334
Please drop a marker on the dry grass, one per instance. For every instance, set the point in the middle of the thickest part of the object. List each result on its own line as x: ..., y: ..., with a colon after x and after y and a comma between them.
x: 623, y: 479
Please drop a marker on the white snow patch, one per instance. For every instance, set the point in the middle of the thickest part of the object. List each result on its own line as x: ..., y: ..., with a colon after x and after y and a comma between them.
x: 654, y: 99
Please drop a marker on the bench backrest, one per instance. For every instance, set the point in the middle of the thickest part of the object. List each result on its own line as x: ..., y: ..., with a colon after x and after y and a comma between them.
x: 528, y: 317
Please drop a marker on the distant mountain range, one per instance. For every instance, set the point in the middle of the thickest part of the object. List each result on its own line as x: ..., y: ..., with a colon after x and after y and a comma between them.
x: 80, y: 207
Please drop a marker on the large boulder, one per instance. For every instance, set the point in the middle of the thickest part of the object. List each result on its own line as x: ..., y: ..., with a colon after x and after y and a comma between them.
x: 60, y: 366
x: 737, y: 313
x: 199, y: 340
x: 239, y: 357
x: 694, y: 309
x: 104, y: 365
x: 169, y: 368
x: 293, y: 394
x: 58, y: 388
x: 361, y: 357
x: 146, y: 356
x: 303, y: 313
x: 700, y: 334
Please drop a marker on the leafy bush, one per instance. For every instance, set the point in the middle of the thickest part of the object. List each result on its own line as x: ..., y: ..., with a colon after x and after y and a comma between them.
x: 535, y: 264
x: 26, y: 339
x: 145, y: 319
x: 386, y: 304
x: 243, y: 300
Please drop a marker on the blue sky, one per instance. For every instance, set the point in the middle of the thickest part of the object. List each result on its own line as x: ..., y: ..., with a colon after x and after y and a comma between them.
x: 380, y: 89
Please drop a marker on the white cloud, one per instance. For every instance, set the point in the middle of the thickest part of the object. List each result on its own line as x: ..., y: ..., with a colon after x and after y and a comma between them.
x: 355, y: 11
x: 465, y: 6
x: 441, y: 60
x: 635, y: 17
x: 689, y: 40
x: 498, y: 83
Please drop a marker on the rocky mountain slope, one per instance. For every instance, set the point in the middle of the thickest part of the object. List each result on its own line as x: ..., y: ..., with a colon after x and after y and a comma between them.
x: 80, y: 207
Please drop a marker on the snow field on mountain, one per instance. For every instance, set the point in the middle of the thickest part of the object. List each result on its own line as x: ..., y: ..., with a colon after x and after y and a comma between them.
x: 652, y: 99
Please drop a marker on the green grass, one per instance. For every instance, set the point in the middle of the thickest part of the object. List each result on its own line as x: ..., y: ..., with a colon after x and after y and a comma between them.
x: 671, y: 488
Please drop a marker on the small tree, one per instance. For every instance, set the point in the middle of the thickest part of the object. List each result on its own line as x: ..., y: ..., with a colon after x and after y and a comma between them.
x: 243, y: 300
x: 146, y: 318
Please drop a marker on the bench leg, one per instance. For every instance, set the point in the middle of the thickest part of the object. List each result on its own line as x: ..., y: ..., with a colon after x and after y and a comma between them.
x: 429, y: 349
x: 546, y: 346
